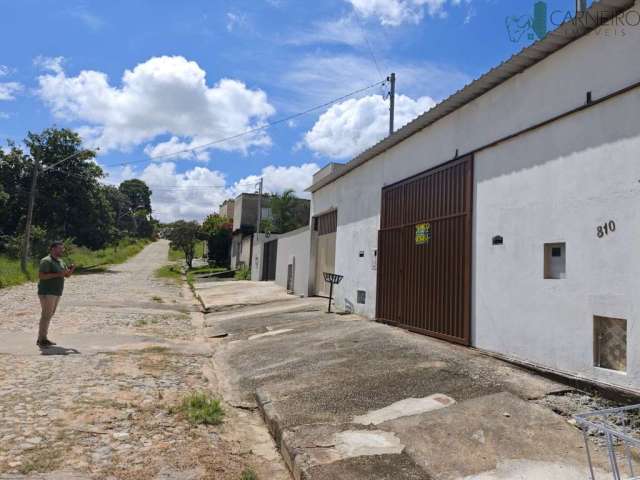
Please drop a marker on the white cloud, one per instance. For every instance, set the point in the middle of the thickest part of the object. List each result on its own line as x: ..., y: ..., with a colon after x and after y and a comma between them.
x: 197, y: 192
x: 51, y: 64
x: 279, y: 179
x: 90, y: 20
x: 4, y: 116
x: 8, y: 90
x: 396, y: 12
x: 176, y: 149
x: 235, y: 20
x: 4, y: 70
x: 162, y: 96
x: 345, y: 30
x: 351, y: 127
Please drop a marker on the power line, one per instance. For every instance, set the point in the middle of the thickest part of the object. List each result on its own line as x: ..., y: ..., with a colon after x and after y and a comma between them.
x: 253, y: 130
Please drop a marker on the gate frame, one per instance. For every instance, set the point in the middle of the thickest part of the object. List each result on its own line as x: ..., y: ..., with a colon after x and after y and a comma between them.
x: 468, y: 246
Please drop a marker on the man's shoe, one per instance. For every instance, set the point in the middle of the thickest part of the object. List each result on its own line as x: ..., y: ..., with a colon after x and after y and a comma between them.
x: 44, y: 343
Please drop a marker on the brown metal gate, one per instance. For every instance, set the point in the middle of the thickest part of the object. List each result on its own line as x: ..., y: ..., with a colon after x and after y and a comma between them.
x: 269, y: 256
x: 424, y: 252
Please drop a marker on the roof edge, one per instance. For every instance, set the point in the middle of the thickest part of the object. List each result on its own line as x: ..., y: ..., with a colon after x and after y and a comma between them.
x: 568, y: 32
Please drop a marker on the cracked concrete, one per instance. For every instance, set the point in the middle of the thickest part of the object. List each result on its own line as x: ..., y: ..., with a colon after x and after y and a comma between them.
x: 405, y: 408
x: 331, y: 384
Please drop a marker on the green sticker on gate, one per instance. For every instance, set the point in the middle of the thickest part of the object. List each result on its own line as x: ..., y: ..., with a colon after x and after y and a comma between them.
x: 423, y: 233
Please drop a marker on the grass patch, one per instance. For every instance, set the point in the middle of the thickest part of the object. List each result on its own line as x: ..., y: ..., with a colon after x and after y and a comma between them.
x: 175, y: 255
x: 243, y: 274
x: 207, y: 269
x: 84, y: 258
x: 173, y: 272
x: 157, y: 299
x: 10, y: 273
x: 249, y: 474
x: 140, y: 323
x: 200, y: 408
x: 86, y: 261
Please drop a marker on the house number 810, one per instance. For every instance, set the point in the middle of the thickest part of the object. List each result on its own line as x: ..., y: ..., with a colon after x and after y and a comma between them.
x: 606, y: 228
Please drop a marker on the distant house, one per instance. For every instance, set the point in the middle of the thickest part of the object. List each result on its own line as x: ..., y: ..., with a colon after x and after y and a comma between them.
x: 226, y: 209
x: 245, y: 218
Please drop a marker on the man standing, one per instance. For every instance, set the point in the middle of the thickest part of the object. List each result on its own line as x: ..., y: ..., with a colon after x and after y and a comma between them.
x: 52, y: 273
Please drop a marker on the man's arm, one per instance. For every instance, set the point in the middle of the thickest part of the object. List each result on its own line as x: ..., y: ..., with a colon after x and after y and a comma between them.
x: 48, y: 276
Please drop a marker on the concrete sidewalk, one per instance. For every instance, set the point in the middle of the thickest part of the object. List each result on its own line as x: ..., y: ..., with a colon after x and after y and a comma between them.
x: 347, y: 398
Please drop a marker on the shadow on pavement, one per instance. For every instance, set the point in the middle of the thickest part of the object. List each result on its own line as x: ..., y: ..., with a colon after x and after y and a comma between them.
x: 55, y: 350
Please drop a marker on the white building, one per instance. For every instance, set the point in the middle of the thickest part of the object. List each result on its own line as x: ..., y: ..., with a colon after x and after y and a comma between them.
x: 508, y: 216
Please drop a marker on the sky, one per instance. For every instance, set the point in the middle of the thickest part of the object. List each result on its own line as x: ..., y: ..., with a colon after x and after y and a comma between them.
x: 168, y: 90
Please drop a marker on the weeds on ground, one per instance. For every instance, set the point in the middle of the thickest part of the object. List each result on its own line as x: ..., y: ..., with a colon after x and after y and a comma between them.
x: 41, y: 460
x: 155, y: 349
x: 207, y: 269
x: 200, y: 408
x: 157, y: 299
x: 243, y: 274
x: 249, y: 474
x: 169, y: 271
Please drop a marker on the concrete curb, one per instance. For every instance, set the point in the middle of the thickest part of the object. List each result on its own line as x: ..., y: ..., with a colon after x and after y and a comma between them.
x: 295, y: 459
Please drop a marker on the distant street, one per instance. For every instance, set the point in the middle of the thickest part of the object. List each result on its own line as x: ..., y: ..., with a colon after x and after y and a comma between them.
x: 97, y: 405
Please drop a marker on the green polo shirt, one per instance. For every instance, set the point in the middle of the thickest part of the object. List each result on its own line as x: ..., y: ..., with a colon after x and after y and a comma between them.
x: 53, y: 286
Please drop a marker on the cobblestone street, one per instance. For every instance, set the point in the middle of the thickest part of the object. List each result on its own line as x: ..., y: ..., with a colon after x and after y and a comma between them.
x: 130, y: 346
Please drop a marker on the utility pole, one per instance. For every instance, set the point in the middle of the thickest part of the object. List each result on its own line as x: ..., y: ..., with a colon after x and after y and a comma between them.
x: 259, y: 205
x: 27, y: 229
x: 392, y: 100
x: 26, y: 242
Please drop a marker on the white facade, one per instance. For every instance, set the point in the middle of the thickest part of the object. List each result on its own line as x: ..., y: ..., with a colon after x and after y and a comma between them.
x: 554, y: 184
x: 294, y: 248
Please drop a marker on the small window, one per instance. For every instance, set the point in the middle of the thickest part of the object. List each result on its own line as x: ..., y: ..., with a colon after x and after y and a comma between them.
x: 362, y: 297
x: 555, y: 262
x: 610, y: 343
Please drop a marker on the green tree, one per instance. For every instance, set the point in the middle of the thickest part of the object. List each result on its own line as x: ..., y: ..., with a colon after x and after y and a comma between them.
x: 70, y: 201
x: 138, y: 193
x: 218, y: 232
x: 16, y: 169
x: 183, y: 236
x: 288, y: 211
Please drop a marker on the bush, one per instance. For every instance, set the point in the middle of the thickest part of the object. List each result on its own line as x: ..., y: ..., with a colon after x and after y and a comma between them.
x: 243, y: 274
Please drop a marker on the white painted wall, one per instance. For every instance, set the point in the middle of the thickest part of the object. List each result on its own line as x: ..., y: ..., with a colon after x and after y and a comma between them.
x: 533, y: 191
x: 294, y: 244
x: 555, y: 184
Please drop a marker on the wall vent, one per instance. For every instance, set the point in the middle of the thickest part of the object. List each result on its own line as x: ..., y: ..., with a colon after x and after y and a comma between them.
x: 610, y: 343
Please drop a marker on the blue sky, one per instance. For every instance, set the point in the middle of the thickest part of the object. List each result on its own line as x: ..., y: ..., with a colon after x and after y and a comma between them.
x: 199, y: 71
